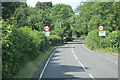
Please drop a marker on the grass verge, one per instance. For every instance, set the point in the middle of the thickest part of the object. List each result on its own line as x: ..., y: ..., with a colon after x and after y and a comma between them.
x: 29, y: 68
x: 105, y: 51
x: 83, y: 36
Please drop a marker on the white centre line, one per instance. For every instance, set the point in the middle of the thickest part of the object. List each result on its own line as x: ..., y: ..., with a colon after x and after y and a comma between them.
x: 77, y: 59
x: 116, y: 62
x: 72, y: 51
x: 46, y: 65
x: 91, y: 76
x: 108, y: 58
x: 112, y: 60
x: 82, y: 64
x: 75, y: 56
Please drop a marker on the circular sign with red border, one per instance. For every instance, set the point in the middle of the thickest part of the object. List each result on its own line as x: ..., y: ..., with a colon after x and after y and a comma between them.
x: 46, y: 28
x: 101, y: 28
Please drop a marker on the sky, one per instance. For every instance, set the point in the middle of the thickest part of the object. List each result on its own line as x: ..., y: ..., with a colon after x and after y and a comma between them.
x: 72, y: 3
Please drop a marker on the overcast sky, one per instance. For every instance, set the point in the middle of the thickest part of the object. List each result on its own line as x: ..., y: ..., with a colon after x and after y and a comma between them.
x: 73, y: 3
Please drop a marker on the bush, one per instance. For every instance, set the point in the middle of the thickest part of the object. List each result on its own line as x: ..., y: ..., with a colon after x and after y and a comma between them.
x: 110, y: 41
x: 19, y: 44
x: 55, y: 39
x: 92, y: 40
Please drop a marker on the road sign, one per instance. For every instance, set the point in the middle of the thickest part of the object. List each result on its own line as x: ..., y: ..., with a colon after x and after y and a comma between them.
x: 101, y: 28
x: 47, y: 33
x: 102, y: 33
x: 46, y: 28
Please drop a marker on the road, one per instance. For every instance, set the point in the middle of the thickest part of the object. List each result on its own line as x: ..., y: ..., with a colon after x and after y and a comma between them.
x: 74, y: 60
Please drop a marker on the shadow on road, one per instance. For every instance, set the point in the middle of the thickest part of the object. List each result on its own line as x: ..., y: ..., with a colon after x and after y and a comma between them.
x: 57, y: 70
x: 65, y: 47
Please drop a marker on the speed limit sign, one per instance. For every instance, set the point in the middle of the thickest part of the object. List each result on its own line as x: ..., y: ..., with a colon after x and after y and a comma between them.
x: 101, y: 28
x: 46, y: 28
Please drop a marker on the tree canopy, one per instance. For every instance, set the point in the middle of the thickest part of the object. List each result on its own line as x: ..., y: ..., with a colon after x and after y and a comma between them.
x: 94, y: 14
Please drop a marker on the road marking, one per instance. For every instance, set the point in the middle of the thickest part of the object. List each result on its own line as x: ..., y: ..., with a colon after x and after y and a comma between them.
x: 108, y: 58
x: 112, y: 60
x: 105, y: 57
x: 75, y: 56
x: 88, y: 49
x: 82, y: 65
x: 46, y: 65
x: 116, y: 62
x: 72, y: 45
x: 60, y: 49
x: 78, y: 60
x: 91, y: 76
x: 72, y: 51
x: 98, y: 53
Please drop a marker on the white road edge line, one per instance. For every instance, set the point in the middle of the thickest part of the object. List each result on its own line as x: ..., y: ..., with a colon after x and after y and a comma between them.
x: 46, y: 65
x: 88, y: 48
x: 91, y: 76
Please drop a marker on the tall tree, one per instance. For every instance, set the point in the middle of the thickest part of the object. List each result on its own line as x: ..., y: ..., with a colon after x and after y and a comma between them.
x: 44, y: 5
x: 92, y: 15
x: 10, y: 7
x: 60, y: 16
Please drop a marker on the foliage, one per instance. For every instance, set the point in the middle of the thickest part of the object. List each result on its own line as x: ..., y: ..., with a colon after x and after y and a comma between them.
x: 60, y: 16
x: 44, y: 5
x: 22, y: 36
x: 111, y: 41
x: 17, y: 44
x: 10, y: 7
x: 61, y: 12
x: 93, y: 14
x: 92, y: 40
x: 32, y: 17
x: 54, y: 39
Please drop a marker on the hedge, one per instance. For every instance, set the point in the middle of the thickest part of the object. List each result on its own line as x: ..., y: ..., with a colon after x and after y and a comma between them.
x: 19, y: 44
x: 55, y: 39
x: 110, y: 41
x: 92, y: 40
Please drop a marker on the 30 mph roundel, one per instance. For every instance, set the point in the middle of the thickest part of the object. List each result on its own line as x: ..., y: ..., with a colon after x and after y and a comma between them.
x: 46, y: 28
x: 101, y: 28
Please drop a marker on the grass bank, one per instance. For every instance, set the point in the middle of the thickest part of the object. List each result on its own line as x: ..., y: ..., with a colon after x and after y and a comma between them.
x: 104, y: 51
x: 28, y: 69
